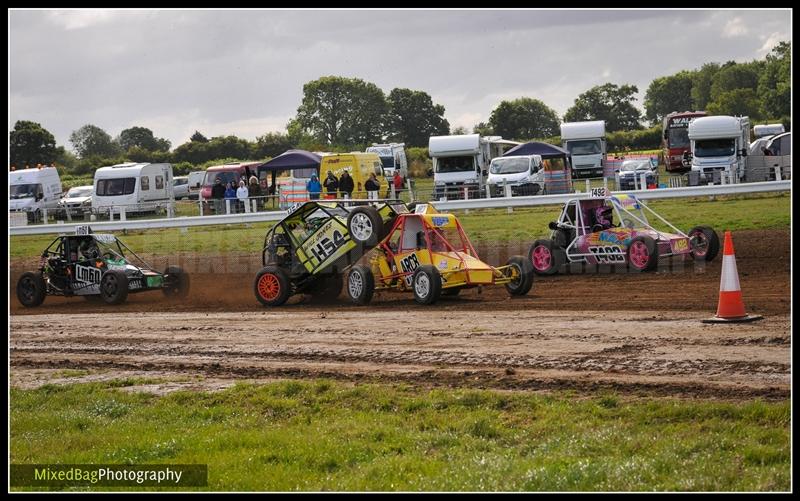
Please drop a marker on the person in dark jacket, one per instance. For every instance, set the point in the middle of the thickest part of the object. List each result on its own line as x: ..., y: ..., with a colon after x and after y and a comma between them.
x: 217, y: 195
x: 372, y: 186
x: 346, y: 185
x: 331, y: 185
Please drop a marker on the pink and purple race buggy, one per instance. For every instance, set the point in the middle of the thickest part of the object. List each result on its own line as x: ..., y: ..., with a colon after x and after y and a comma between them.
x: 615, y: 230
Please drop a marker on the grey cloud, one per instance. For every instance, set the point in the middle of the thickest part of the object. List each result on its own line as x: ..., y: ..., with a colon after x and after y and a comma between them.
x: 238, y: 67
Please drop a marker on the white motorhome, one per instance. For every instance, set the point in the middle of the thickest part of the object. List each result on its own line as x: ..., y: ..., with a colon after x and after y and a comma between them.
x: 586, y: 143
x: 393, y: 157
x: 462, y: 162
x: 522, y: 174
x: 136, y: 187
x: 196, y: 183
x: 719, y: 144
x: 33, y: 190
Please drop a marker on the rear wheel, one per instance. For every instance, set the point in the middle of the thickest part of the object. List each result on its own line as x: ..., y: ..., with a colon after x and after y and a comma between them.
x: 704, y: 243
x: 176, y: 282
x: 360, y: 284
x: 114, y: 287
x: 522, y: 272
x: 272, y: 286
x: 427, y: 284
x: 31, y: 289
x: 365, y: 225
x: 546, y: 257
x: 643, y: 254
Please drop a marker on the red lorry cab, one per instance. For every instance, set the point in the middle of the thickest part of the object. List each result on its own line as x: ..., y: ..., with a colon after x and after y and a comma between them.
x: 676, y: 138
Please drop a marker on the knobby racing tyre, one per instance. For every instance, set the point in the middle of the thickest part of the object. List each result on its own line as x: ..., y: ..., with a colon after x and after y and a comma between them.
x: 643, y: 254
x: 114, y: 287
x: 426, y: 284
x: 31, y: 289
x: 272, y: 286
x: 523, y: 271
x: 176, y: 282
x: 546, y: 257
x: 365, y: 225
x: 704, y: 243
x: 360, y: 284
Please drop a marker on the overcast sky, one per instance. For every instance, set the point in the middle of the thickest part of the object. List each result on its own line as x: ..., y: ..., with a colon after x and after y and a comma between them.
x: 242, y: 72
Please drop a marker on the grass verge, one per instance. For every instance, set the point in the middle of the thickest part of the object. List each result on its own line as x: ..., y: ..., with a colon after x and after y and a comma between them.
x: 321, y: 435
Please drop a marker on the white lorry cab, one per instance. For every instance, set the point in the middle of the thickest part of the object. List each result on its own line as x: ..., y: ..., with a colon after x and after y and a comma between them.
x: 393, y: 157
x: 523, y: 175
x: 461, y: 163
x: 132, y: 187
x: 586, y: 143
x: 33, y: 191
x: 719, y: 148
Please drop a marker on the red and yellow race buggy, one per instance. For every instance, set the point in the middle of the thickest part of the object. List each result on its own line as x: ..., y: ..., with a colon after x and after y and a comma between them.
x: 429, y: 254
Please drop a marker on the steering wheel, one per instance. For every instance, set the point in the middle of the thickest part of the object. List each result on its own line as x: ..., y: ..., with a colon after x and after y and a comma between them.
x: 108, y: 255
x: 597, y: 227
x: 627, y: 223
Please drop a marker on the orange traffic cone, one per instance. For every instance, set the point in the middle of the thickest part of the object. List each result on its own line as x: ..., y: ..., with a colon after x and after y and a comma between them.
x: 731, y: 306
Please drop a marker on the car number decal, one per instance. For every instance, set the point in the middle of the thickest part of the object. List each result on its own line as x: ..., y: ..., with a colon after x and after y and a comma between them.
x: 87, y: 274
x: 680, y: 245
x: 408, y: 264
x: 607, y: 253
x: 326, y: 246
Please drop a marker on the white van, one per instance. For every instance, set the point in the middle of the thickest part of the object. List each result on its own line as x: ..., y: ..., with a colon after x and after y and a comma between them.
x: 523, y: 174
x: 461, y: 162
x: 196, y: 183
x: 393, y: 157
x: 586, y: 143
x: 138, y: 187
x: 719, y: 145
x: 33, y: 190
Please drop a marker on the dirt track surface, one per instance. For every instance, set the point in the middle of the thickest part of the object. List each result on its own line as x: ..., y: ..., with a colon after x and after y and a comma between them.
x: 588, y: 331
x: 633, y: 352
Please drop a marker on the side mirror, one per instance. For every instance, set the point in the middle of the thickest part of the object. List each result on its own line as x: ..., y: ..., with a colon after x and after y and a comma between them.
x: 744, y: 152
x: 39, y: 196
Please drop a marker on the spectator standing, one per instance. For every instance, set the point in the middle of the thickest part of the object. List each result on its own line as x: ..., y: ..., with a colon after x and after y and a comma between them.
x: 346, y: 185
x: 241, y: 195
x: 230, y: 194
x: 218, y: 195
x: 397, y: 180
x: 254, y: 191
x: 331, y: 185
x: 313, y: 187
x: 372, y: 186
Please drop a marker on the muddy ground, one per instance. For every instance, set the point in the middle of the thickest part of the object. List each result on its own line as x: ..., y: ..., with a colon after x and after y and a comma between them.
x: 588, y: 330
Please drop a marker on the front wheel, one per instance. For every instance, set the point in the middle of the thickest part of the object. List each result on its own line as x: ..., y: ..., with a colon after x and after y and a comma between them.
x: 176, y: 282
x: 704, y: 243
x: 360, y: 284
x: 272, y: 286
x: 114, y: 287
x: 546, y: 257
x: 365, y: 225
x: 427, y: 284
x: 521, y: 273
x: 643, y: 254
x: 31, y: 289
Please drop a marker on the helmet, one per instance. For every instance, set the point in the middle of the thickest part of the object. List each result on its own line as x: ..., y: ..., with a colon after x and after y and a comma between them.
x: 89, y: 249
x: 603, y: 216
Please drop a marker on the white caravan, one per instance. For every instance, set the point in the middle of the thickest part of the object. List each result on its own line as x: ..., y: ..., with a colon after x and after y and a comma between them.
x: 393, y: 157
x: 33, y: 190
x: 719, y: 144
x: 586, y: 143
x: 462, y: 162
x: 136, y: 187
x: 523, y: 175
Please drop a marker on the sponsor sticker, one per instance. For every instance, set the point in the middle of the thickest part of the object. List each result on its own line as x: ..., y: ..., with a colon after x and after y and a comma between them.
x: 443, y: 264
x: 680, y: 245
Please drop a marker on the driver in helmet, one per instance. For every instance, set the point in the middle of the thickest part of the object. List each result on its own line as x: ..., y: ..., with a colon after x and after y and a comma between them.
x: 88, y: 249
x: 604, y: 218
